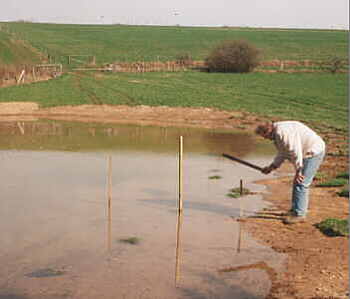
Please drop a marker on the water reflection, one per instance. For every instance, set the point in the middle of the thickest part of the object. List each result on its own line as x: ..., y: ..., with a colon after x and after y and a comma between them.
x: 92, y: 137
x: 69, y: 192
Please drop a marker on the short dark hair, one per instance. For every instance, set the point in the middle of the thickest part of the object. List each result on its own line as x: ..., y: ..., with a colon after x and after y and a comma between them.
x: 262, y: 129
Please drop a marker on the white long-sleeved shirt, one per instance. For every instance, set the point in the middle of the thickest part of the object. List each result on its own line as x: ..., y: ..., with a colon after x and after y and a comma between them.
x: 294, y: 142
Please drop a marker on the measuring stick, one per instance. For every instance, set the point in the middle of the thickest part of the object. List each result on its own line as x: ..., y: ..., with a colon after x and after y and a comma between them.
x: 240, y: 216
x: 109, y: 230
x: 243, y: 162
x: 179, y: 216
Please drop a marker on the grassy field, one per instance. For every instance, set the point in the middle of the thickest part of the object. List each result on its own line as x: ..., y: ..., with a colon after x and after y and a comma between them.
x: 311, y: 97
x: 131, y: 43
x: 320, y: 97
x: 14, y: 52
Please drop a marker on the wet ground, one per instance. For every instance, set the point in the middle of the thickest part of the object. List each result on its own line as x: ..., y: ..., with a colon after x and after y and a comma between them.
x: 60, y: 239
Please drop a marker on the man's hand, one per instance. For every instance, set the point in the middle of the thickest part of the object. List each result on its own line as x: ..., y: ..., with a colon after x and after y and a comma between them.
x: 267, y: 169
x: 298, y: 178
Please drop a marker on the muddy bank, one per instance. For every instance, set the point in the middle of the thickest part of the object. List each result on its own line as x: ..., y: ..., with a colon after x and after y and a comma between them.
x: 142, y: 115
x: 317, y: 265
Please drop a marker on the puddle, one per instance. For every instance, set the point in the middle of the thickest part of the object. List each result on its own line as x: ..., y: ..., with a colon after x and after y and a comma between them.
x: 70, y: 193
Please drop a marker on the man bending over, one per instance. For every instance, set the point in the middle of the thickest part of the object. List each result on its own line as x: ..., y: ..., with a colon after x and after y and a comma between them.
x: 305, y: 149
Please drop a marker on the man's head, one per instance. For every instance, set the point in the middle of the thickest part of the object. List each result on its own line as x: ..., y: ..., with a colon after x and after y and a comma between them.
x: 265, y: 130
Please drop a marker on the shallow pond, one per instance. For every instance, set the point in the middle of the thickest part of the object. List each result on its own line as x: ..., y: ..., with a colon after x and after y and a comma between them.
x: 61, y: 239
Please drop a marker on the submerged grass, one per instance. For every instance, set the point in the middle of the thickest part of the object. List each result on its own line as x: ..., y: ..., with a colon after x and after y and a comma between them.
x: 130, y: 240
x: 45, y: 272
x: 236, y: 192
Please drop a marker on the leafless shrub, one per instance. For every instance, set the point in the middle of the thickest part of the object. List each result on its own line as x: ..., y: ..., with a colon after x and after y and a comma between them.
x: 236, y: 56
x: 335, y: 64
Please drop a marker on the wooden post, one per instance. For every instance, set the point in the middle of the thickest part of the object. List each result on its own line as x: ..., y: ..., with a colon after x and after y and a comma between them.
x: 21, y: 77
x: 180, y: 171
x: 109, y: 229
x: 281, y: 65
x: 20, y: 126
x: 240, y: 216
x: 179, y: 216
x: 34, y: 76
x: 241, y: 187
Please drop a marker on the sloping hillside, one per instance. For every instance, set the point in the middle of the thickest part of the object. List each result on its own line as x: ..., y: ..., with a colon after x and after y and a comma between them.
x: 14, y: 51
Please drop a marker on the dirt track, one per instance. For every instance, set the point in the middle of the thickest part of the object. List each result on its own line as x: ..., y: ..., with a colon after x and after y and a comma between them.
x: 317, y: 265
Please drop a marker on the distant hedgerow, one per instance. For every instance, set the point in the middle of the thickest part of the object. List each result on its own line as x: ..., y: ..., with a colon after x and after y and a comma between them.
x: 234, y: 56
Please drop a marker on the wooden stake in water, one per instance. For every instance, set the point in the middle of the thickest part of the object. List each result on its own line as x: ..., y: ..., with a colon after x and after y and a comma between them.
x: 179, y: 215
x: 180, y: 172
x: 240, y: 216
x: 20, y: 126
x: 109, y: 203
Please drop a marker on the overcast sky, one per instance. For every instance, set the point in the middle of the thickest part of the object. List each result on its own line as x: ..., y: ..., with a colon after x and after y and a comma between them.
x: 251, y: 13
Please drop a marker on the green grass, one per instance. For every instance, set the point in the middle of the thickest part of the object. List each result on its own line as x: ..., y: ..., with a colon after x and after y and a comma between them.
x: 334, y: 227
x: 14, y: 51
x: 344, y: 175
x: 337, y: 182
x: 344, y: 192
x: 130, y: 43
x: 320, y: 176
x: 320, y: 99
x: 215, y: 177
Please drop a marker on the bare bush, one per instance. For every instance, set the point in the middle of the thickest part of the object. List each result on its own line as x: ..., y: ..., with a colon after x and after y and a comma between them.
x: 335, y: 64
x: 236, y: 56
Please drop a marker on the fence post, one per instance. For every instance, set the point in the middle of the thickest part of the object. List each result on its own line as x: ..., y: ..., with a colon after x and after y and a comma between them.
x: 21, y: 77
x: 33, y: 72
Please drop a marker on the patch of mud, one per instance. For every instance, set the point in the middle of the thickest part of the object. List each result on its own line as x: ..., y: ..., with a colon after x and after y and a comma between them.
x: 13, y: 108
